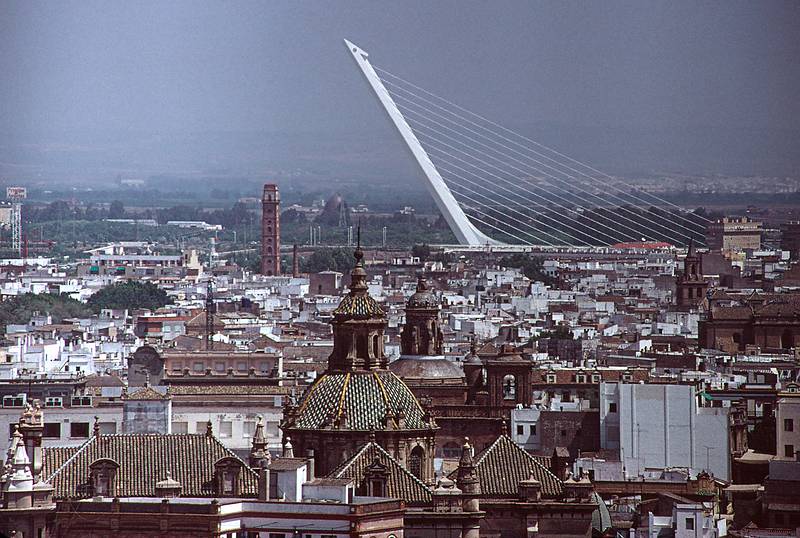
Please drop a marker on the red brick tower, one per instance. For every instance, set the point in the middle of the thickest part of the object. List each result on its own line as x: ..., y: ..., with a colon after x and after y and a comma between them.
x: 270, y: 231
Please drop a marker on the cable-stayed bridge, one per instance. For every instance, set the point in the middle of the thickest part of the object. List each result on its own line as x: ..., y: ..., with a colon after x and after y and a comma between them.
x: 496, y: 186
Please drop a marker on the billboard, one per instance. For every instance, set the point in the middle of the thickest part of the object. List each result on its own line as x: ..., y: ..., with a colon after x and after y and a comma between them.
x: 16, y: 193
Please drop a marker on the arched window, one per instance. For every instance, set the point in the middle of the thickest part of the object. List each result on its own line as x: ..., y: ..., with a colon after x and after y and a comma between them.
x: 227, y: 471
x: 509, y: 387
x: 103, y: 475
x: 362, y: 349
x: 787, y: 339
x: 415, y: 461
x: 376, y: 346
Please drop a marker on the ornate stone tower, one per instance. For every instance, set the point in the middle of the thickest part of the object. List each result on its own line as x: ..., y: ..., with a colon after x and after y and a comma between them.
x: 421, y: 333
x: 271, y: 231
x: 691, y: 286
x: 357, y: 399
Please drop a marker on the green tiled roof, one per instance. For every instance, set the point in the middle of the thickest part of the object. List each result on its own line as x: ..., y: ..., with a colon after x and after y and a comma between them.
x: 503, y: 465
x: 143, y: 460
x: 360, y: 400
x: 401, y: 483
x: 359, y: 306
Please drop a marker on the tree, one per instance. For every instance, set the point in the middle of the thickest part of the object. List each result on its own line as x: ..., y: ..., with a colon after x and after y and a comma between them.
x: 328, y: 259
x: 531, y: 266
x: 131, y: 295
x: 423, y: 251
x: 21, y: 308
x: 116, y: 210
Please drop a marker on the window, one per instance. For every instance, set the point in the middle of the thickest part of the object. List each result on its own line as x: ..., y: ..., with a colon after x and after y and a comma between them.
x: 377, y: 487
x: 277, y: 535
x: 52, y: 430
x: 520, y: 429
x: 53, y: 401
x: 551, y: 378
x: 563, y: 433
x: 533, y: 429
x: 689, y: 523
x: 627, y: 377
x: 509, y: 387
x: 14, y: 401
x: 200, y: 427
x: 180, y: 427
x: 248, y: 428
x: 81, y: 401
x: 226, y: 428
x: 581, y: 378
x: 108, y: 428
x: 612, y: 407
x: 79, y: 429
x: 788, y: 451
x: 788, y: 425
x: 596, y: 378
x: 415, y: 461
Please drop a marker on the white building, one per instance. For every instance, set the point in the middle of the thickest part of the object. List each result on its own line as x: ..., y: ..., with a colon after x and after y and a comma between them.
x: 661, y: 426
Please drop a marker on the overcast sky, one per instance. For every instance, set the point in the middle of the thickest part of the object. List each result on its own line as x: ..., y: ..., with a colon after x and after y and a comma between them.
x: 281, y: 67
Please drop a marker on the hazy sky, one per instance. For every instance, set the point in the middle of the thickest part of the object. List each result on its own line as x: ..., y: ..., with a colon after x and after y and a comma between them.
x: 281, y: 67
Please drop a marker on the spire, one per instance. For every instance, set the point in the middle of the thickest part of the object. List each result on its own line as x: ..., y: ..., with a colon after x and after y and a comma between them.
x: 19, y: 477
x: 288, y: 449
x: 358, y: 276
x: 467, y: 478
x: 259, y: 454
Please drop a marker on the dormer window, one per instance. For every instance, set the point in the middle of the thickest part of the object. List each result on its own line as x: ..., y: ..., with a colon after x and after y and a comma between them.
x: 227, y: 472
x: 551, y: 378
x: 596, y: 378
x: 627, y: 377
x: 581, y: 378
x: 102, y: 477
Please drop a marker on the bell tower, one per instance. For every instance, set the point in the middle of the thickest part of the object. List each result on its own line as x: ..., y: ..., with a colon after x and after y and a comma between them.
x: 421, y: 332
x: 691, y: 285
x: 271, y: 231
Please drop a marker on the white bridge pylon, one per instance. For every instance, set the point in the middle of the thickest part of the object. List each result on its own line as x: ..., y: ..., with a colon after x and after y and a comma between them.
x: 466, y: 233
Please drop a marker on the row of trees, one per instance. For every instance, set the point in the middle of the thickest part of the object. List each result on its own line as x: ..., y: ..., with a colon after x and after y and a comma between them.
x: 60, y: 210
x: 130, y: 295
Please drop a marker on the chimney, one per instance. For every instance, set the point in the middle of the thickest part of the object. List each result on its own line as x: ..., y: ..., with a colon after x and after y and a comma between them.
x: 263, y: 483
x: 310, y: 464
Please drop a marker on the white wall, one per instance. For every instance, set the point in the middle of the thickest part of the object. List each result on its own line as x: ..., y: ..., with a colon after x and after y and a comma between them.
x: 661, y: 426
